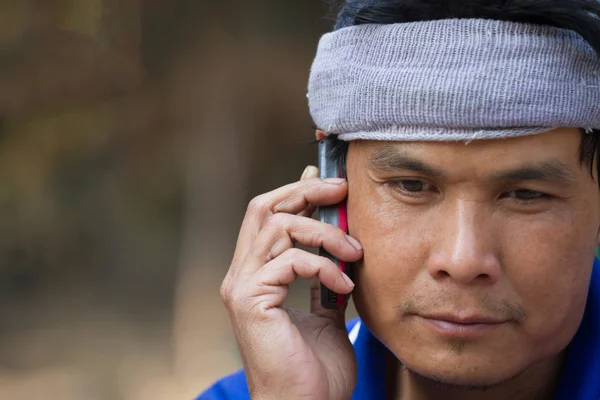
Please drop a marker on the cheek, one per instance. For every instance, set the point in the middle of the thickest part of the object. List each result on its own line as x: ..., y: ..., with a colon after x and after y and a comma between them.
x: 396, y: 247
x: 547, y: 265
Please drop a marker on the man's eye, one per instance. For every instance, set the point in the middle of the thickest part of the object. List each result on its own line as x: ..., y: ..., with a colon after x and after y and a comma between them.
x: 526, y: 195
x: 412, y: 185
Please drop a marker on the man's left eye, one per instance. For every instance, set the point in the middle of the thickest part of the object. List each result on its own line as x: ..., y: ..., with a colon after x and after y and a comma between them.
x: 526, y: 195
x: 412, y: 186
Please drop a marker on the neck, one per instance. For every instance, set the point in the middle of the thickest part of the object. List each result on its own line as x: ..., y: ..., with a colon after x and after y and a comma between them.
x: 536, y: 383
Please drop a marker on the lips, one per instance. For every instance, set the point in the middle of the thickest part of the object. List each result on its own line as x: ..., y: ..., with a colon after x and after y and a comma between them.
x: 462, y: 327
x: 465, y: 320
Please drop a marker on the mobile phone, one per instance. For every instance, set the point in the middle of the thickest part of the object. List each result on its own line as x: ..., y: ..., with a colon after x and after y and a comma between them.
x: 334, y: 215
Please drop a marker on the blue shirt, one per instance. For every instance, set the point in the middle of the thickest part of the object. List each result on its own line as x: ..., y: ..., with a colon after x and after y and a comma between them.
x: 580, y: 379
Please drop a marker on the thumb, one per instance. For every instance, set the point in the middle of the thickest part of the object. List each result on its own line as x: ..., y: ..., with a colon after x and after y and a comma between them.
x: 310, y: 172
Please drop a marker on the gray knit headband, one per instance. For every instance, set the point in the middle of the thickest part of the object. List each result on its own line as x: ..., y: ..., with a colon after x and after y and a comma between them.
x: 453, y: 79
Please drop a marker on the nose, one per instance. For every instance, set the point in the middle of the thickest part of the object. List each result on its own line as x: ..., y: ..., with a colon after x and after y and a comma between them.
x: 463, y: 249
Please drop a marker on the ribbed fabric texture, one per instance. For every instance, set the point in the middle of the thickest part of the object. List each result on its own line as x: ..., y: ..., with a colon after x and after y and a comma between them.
x: 453, y: 79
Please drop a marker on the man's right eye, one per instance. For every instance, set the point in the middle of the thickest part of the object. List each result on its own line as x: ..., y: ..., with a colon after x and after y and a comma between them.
x: 412, y: 186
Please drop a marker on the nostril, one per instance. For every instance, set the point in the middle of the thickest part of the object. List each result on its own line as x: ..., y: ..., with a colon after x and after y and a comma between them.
x: 443, y: 274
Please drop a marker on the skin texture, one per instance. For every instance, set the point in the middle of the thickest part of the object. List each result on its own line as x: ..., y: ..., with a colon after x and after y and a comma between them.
x: 469, y: 243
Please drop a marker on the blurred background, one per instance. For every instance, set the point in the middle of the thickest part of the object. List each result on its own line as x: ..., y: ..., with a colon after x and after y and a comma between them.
x: 132, y: 135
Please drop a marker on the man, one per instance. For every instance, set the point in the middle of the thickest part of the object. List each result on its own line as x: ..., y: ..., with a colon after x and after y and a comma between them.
x: 468, y: 135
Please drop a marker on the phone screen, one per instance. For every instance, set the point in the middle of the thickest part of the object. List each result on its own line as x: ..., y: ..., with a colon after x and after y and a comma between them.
x: 334, y: 215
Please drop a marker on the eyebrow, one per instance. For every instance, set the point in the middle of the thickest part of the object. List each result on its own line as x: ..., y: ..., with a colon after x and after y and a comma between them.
x: 550, y: 171
x: 389, y: 159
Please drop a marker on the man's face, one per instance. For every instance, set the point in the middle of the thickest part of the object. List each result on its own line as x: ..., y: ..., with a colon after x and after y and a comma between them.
x: 477, y: 258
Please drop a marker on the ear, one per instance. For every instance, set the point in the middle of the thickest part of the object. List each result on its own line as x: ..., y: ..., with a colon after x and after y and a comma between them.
x: 320, y: 135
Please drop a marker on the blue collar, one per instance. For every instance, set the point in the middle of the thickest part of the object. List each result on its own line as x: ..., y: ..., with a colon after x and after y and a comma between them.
x: 580, y: 379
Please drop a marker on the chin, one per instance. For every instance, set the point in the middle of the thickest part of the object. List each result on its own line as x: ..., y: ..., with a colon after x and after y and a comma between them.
x: 463, y: 378
x: 464, y: 364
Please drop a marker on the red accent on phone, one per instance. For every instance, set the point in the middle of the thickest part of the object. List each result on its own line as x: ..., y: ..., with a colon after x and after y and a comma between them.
x: 343, y: 225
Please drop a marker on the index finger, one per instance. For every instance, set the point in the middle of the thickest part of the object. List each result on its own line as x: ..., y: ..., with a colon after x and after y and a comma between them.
x: 291, y: 199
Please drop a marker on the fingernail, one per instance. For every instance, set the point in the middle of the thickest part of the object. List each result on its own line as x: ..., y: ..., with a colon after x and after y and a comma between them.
x: 355, y: 243
x: 310, y: 172
x: 348, y: 280
x: 335, y: 181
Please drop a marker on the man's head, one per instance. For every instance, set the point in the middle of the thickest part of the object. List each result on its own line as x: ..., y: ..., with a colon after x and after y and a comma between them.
x: 498, y: 231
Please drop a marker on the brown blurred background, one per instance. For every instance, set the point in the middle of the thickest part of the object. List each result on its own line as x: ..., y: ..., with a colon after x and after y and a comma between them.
x: 132, y: 135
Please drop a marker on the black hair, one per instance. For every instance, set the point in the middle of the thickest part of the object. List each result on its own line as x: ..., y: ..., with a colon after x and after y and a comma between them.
x: 581, y: 16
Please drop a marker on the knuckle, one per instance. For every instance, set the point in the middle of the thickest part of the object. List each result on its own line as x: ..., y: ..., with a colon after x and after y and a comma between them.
x: 257, y: 204
x: 277, y: 222
x: 316, y: 237
x: 234, y: 299
x: 279, y: 218
x: 228, y: 291
x: 224, y: 294
x: 225, y: 291
x: 293, y: 254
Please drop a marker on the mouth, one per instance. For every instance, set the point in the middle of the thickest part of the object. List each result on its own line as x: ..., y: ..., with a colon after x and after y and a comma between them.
x: 463, y: 327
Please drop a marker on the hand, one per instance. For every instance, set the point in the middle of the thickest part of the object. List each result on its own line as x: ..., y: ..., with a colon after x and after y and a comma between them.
x: 289, y: 354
